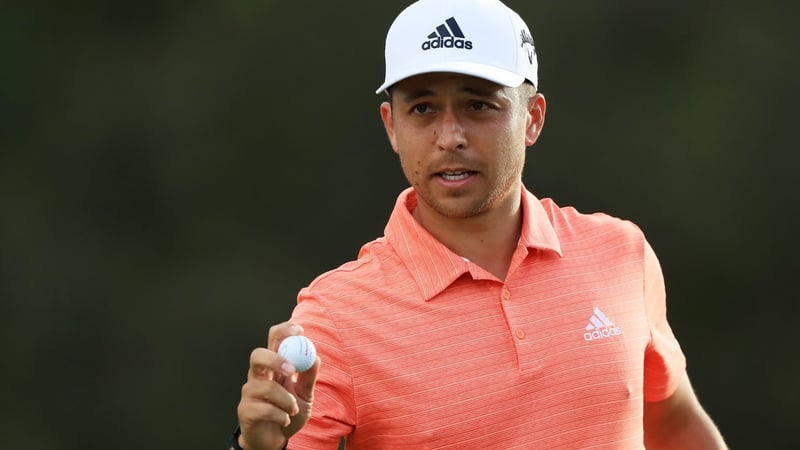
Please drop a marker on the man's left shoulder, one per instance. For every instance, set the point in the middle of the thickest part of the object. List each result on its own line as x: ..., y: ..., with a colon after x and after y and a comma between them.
x: 568, y: 219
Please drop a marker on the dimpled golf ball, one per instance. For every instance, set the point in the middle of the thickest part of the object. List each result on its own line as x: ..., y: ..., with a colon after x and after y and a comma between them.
x: 299, y: 351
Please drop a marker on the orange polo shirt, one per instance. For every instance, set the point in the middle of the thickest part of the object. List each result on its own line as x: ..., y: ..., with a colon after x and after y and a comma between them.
x: 422, y: 349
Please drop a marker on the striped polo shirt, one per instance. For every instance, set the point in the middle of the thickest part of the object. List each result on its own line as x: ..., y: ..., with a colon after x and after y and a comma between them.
x: 423, y: 349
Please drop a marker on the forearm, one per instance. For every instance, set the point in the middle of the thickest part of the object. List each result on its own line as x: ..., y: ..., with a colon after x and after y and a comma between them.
x: 694, y: 431
x: 680, y: 422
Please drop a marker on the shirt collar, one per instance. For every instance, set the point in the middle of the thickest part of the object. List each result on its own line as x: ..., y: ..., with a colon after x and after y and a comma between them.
x: 432, y: 265
x: 537, y: 229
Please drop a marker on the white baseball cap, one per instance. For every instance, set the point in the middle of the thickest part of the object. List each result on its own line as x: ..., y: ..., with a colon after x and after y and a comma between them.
x: 482, y: 38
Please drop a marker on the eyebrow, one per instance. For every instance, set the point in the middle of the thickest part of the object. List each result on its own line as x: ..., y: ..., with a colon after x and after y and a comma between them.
x: 417, y: 94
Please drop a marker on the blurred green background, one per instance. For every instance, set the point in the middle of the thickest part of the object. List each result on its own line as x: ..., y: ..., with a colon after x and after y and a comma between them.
x: 172, y: 172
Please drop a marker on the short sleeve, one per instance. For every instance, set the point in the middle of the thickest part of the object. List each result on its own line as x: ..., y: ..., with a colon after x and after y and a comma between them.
x: 664, y: 362
x: 333, y: 414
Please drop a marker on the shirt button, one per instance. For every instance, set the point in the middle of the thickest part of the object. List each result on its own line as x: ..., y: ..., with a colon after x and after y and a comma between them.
x: 520, y: 333
x: 506, y: 294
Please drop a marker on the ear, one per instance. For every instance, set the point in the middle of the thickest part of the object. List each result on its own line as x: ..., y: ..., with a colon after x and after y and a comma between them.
x: 536, y: 109
x: 388, y: 123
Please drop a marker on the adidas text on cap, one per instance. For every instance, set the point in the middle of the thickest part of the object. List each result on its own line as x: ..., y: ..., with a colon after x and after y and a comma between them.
x: 481, y: 38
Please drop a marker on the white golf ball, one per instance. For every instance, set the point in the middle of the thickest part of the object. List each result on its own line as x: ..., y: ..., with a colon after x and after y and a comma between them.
x: 299, y: 351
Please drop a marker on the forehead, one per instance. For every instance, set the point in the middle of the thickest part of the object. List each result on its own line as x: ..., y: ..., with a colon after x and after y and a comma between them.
x: 440, y: 83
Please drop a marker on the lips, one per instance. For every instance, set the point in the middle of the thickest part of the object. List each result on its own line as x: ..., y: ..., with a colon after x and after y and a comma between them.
x: 455, y: 175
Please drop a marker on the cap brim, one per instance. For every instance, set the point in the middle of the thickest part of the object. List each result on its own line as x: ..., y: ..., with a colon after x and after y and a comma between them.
x: 487, y: 72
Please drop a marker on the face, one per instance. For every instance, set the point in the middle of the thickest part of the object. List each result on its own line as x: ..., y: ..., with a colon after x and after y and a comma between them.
x: 462, y: 141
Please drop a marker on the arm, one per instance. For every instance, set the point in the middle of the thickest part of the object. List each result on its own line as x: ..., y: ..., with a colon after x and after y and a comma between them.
x: 679, y: 422
x: 273, y: 405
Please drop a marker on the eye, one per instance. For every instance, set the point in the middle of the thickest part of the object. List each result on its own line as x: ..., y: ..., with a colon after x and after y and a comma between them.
x: 422, y: 108
x: 478, y: 105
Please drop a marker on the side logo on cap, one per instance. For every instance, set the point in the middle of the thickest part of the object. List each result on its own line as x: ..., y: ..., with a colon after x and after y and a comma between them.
x: 526, y: 38
x: 447, y: 35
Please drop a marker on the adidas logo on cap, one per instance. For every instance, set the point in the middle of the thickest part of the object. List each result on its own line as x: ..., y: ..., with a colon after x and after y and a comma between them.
x: 447, y: 35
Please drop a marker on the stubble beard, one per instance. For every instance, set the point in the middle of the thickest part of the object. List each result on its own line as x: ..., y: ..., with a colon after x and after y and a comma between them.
x: 460, y: 205
x: 465, y: 204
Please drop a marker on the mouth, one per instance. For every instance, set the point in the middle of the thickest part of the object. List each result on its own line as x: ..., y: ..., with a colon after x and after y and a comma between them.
x: 455, y: 175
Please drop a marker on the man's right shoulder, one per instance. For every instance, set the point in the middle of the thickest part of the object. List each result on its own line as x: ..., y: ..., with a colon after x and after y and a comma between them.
x: 376, y: 260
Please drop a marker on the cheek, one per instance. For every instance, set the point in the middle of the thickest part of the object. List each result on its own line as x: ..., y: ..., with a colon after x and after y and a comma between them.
x: 412, y: 167
x: 513, y: 152
x: 411, y: 160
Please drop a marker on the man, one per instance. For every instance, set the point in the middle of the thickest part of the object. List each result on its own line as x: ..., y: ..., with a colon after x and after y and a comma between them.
x: 484, y: 318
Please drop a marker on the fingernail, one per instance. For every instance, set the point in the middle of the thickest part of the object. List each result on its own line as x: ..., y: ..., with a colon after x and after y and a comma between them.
x: 287, y: 369
x: 288, y: 422
x: 295, y: 329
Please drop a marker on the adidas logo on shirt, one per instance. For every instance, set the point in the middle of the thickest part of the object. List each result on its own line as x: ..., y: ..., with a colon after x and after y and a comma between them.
x: 600, y: 327
x: 447, y: 35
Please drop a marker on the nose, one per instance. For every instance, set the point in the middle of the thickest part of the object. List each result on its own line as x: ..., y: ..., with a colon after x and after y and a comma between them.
x: 450, y: 132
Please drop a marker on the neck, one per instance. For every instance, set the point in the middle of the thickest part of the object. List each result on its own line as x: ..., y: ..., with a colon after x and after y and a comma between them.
x: 488, y: 240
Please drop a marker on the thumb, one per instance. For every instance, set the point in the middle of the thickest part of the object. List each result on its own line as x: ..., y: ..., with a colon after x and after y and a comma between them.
x: 304, y: 387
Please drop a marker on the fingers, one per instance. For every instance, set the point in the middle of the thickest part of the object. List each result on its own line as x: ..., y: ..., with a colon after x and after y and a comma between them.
x: 265, y: 363
x: 304, y: 385
x: 266, y: 401
x: 279, y: 332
